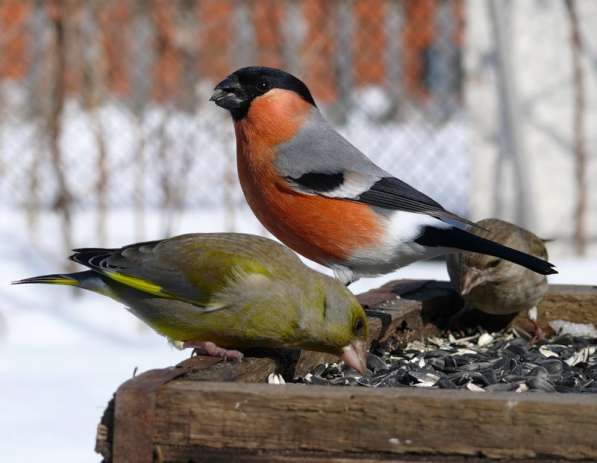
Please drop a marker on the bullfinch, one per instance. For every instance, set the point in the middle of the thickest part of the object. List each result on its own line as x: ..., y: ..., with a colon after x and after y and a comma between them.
x: 325, y: 199
x: 496, y: 286
x: 225, y: 291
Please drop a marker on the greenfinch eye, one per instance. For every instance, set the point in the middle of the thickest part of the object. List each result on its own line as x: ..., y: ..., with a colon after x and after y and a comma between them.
x: 358, y: 327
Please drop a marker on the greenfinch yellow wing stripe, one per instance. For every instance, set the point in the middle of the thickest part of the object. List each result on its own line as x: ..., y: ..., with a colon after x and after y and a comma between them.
x: 138, y: 284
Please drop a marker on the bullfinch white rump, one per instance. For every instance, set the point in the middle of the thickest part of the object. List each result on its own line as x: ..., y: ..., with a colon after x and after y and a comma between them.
x: 318, y: 194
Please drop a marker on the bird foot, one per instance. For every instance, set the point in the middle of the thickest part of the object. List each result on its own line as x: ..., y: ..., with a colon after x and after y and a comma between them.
x: 538, y: 333
x: 212, y: 350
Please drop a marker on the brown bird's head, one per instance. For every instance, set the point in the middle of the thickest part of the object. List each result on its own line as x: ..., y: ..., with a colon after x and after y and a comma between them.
x: 239, y: 90
x: 469, y: 270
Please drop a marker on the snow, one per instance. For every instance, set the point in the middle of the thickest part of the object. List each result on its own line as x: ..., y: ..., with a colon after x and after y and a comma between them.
x: 63, y: 353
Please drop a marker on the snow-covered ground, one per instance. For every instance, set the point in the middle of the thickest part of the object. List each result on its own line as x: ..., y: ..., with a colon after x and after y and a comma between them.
x: 63, y: 353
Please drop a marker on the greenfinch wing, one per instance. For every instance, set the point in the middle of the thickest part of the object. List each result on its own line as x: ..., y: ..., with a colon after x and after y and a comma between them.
x: 191, y: 268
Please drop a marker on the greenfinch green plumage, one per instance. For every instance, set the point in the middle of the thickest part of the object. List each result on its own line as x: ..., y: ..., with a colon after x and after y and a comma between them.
x: 496, y: 286
x: 226, y: 291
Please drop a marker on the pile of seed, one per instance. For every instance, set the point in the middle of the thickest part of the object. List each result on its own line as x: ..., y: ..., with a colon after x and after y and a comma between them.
x: 483, y: 362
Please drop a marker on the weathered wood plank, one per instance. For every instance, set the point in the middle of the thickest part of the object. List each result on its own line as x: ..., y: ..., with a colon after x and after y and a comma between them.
x: 186, y: 454
x: 568, y: 302
x: 436, y: 301
x: 158, y: 418
x: 398, y: 421
x: 134, y: 410
x: 249, y: 370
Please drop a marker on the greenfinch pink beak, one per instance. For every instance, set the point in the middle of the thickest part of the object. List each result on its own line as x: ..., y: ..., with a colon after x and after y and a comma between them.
x: 355, y: 355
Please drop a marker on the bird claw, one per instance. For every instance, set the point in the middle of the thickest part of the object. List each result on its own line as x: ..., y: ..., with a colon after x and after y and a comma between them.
x: 212, y: 350
x: 538, y: 334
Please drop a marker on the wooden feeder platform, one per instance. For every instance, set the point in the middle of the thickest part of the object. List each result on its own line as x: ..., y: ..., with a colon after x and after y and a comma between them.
x: 208, y: 410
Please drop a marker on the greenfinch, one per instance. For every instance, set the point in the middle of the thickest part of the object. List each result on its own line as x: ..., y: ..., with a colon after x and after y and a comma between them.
x: 225, y: 292
x: 496, y: 286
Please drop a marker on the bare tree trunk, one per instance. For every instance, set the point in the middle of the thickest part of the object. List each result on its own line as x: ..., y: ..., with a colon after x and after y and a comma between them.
x: 94, y: 73
x: 344, y: 65
x: 186, y: 99
x: 244, y: 48
x: 139, y: 183
x: 167, y: 179
x: 187, y: 44
x: 394, y: 22
x: 142, y: 36
x: 36, y: 105
x: 580, y: 216
x: 230, y: 185
x: 292, y: 28
x: 101, y: 185
x: 510, y: 128
x: 443, y: 64
x: 63, y: 201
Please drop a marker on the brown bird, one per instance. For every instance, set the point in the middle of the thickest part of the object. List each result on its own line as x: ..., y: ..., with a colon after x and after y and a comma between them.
x: 496, y: 286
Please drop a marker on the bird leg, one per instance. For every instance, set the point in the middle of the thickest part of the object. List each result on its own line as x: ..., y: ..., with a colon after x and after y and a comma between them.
x: 538, y: 333
x: 211, y: 349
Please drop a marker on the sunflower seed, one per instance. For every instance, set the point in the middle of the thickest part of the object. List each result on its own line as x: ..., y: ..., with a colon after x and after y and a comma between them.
x: 491, y: 362
x: 474, y: 387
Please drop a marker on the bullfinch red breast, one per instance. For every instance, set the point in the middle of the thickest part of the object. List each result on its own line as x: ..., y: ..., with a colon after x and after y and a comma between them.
x: 318, y: 194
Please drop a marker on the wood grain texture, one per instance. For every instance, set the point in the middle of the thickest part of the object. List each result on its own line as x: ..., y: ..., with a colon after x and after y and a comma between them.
x: 134, y: 410
x: 570, y: 302
x: 186, y: 454
x: 345, y: 419
x: 435, y: 302
x: 179, y: 414
x: 418, y: 308
x: 249, y: 370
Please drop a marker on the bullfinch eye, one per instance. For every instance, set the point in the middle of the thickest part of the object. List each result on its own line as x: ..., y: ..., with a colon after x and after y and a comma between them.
x: 263, y: 86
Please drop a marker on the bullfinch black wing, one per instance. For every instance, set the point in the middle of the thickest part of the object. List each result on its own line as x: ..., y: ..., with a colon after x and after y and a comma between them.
x: 320, y: 161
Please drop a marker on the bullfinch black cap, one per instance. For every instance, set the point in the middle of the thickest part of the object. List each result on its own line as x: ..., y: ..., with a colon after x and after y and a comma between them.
x: 236, y: 92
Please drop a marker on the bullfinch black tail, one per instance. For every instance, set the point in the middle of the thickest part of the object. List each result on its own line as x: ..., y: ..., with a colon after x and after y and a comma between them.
x: 465, y: 241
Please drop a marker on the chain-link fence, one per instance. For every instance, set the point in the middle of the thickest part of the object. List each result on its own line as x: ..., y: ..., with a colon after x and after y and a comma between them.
x: 531, y: 93
x: 105, y: 103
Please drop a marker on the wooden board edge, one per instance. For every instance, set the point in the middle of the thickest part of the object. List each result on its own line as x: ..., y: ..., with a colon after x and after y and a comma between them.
x: 195, y: 454
x: 362, y: 421
x: 134, y: 410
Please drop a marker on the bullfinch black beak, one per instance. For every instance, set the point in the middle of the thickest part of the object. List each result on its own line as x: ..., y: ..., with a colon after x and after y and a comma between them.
x: 228, y: 94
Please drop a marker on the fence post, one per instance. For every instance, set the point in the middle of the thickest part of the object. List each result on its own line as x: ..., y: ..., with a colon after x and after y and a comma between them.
x: 510, y: 128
